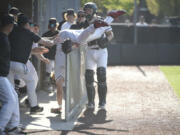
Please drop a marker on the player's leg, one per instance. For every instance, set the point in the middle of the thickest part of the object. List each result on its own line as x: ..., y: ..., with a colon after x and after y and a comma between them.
x: 12, y: 71
x: 9, y: 112
x: 101, y: 76
x: 59, y: 77
x: 47, y: 81
x: 89, y: 76
x: 59, y: 95
x: 15, y: 118
x: 17, y: 69
x: 31, y: 80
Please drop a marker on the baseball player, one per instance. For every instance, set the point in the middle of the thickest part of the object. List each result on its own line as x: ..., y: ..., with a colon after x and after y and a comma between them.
x: 20, y: 85
x: 21, y: 41
x: 52, y: 31
x: 74, y: 37
x: 38, y: 51
x: 90, y: 37
x: 9, y: 112
x: 96, y: 57
x: 14, y: 11
x: 70, y: 17
x: 80, y: 22
x: 63, y: 20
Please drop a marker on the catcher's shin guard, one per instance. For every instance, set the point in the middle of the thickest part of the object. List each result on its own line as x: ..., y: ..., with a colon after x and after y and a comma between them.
x: 102, y: 86
x: 89, y: 75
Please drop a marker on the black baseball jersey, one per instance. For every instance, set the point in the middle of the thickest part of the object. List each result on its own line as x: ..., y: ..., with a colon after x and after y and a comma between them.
x: 21, y: 41
x: 78, y: 25
x: 4, y: 55
x: 60, y: 24
x: 52, y: 50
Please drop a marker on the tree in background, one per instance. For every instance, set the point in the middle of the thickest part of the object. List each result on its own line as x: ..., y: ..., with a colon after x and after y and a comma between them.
x: 157, y: 7
x: 163, y: 8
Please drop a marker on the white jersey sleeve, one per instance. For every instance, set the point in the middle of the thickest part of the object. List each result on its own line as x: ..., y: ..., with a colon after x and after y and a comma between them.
x: 66, y: 25
x: 100, y: 31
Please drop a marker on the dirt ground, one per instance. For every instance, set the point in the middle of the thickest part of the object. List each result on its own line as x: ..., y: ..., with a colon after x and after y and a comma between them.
x: 140, y: 101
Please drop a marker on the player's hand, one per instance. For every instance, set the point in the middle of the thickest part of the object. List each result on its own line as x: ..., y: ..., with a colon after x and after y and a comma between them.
x: 46, y: 61
x: 53, y: 37
x: 39, y: 50
x: 75, y: 45
x: 57, y: 40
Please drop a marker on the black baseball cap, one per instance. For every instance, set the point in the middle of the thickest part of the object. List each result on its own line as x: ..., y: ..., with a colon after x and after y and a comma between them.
x: 70, y: 11
x: 52, y: 22
x: 14, y: 11
x: 22, y: 19
x: 6, y: 20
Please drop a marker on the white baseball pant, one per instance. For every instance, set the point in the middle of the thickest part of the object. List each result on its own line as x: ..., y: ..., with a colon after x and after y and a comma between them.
x: 59, y: 63
x: 96, y: 58
x: 28, y: 73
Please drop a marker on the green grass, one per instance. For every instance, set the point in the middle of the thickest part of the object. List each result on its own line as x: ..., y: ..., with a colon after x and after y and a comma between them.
x: 173, y: 75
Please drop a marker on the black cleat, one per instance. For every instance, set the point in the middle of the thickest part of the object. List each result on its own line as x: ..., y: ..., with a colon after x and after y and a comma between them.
x: 36, y: 109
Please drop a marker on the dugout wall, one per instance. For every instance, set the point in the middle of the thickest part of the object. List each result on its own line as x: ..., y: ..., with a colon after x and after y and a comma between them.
x: 156, y: 45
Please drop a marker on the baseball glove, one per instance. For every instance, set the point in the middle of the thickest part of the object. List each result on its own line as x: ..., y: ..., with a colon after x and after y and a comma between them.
x: 67, y: 46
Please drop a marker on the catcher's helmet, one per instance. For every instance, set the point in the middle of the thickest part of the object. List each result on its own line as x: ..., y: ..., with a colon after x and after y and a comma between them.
x: 90, y: 5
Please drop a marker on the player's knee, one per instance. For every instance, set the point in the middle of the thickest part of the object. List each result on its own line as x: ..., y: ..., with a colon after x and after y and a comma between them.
x: 101, y: 74
x: 89, y: 76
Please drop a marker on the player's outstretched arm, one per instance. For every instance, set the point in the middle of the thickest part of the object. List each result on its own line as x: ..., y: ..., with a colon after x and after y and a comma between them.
x: 42, y: 58
x: 39, y: 50
x: 46, y: 42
